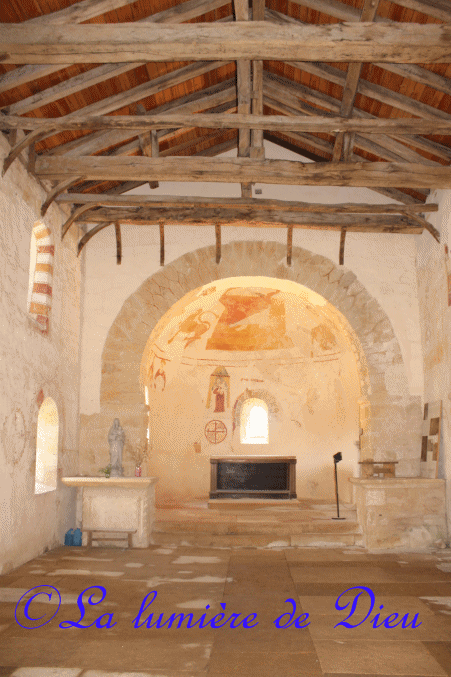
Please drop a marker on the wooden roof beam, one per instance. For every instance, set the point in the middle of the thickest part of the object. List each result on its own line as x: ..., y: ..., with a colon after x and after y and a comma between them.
x: 256, y: 204
x: 245, y: 170
x: 135, y: 43
x: 144, y: 122
x: 19, y: 76
x: 359, y: 223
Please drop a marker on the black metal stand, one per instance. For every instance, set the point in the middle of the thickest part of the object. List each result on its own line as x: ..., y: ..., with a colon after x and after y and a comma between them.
x: 336, y: 490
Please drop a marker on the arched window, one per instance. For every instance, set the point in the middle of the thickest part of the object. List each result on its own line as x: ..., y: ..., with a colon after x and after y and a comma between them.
x: 41, y: 275
x: 47, y: 447
x: 254, y: 422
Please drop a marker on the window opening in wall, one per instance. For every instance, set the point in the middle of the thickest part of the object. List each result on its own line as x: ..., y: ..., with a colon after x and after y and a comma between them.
x: 33, y: 254
x: 254, y: 422
x: 47, y: 447
x: 40, y: 275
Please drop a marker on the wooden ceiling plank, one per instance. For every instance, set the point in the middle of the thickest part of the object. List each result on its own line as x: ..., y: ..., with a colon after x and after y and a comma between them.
x: 135, y: 43
x: 245, y: 170
x: 152, y: 120
x: 20, y: 76
x: 56, y: 191
x: 369, y: 11
x: 256, y: 204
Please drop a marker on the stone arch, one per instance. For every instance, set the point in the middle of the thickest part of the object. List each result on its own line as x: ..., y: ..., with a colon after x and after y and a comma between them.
x: 393, y: 431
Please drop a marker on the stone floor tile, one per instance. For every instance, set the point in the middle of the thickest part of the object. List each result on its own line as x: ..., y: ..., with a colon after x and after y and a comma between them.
x: 263, y: 664
x: 144, y: 654
x: 377, y: 657
x: 356, y: 575
x: 398, y: 589
x: 47, y: 672
x: 38, y: 652
x: 441, y: 651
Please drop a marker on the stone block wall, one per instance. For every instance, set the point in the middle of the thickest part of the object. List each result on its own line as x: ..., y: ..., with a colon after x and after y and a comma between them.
x: 404, y: 513
x: 34, y: 365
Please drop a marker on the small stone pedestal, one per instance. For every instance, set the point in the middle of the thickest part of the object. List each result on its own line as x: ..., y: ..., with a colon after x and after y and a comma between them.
x: 118, y: 503
x: 401, y: 512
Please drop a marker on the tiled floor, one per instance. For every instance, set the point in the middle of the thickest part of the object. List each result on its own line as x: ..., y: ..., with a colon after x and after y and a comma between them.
x: 244, y: 581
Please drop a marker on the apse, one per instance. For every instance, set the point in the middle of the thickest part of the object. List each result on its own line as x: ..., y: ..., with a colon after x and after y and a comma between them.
x: 251, y: 366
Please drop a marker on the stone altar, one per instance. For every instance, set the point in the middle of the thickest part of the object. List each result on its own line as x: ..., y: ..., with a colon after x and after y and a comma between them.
x: 117, y: 503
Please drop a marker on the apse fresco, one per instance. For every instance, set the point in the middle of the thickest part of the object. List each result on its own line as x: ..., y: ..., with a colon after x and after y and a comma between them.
x: 217, y: 322
x: 253, y: 319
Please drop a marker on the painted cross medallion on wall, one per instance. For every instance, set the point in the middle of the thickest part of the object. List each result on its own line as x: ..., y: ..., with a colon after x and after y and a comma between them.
x: 215, y: 432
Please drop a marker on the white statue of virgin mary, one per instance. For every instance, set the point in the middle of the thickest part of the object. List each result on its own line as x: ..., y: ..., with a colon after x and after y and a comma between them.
x: 116, y: 440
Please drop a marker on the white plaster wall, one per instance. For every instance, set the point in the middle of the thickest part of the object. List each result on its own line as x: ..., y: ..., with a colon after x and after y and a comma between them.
x: 29, y: 363
x: 384, y: 264
x: 432, y: 263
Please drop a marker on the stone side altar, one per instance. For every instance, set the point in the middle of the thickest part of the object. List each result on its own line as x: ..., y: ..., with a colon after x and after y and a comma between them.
x: 117, y: 503
x: 401, y: 512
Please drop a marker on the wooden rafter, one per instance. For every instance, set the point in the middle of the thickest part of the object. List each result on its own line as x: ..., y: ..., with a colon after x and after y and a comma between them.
x: 351, y: 85
x: 135, y: 43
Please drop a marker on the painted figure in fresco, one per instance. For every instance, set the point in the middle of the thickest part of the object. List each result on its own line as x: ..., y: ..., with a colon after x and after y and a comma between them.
x: 219, y: 391
x: 116, y: 440
x: 159, y: 382
x: 219, y: 388
x: 194, y: 325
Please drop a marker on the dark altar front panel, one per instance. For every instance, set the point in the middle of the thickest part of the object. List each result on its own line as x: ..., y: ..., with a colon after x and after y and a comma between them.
x: 253, y: 477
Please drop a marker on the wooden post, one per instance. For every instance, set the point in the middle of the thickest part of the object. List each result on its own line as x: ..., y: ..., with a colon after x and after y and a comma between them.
x: 289, y: 244
x: 341, y: 257
x: 117, y: 227
x: 161, y: 244
x: 218, y: 243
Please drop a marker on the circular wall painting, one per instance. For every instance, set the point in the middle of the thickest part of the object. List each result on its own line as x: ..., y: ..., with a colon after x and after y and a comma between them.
x: 215, y: 432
